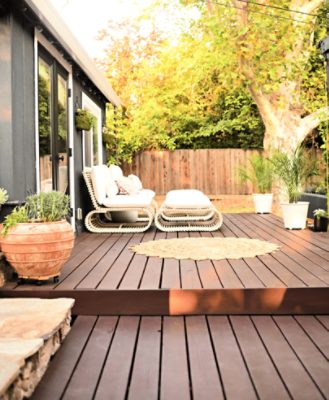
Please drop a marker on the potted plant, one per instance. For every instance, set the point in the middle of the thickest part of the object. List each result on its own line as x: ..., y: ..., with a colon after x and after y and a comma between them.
x: 294, y: 170
x: 36, y: 239
x: 320, y: 220
x: 260, y: 174
x: 84, y: 119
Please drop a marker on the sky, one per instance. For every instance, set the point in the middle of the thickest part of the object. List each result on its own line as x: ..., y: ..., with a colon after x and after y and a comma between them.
x: 86, y: 17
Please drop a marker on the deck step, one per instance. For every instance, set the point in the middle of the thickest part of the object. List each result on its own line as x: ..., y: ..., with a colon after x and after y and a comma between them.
x: 31, y: 331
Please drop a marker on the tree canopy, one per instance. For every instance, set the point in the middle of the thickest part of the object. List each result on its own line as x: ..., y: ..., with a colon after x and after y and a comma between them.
x: 235, y: 73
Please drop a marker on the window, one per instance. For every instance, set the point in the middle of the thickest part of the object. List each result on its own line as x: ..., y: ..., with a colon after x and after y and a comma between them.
x: 92, y: 139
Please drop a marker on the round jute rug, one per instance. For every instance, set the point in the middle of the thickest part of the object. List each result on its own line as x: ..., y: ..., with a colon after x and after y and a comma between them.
x: 205, y: 248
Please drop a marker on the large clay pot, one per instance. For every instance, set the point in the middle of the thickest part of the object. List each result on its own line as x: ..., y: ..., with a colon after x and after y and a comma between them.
x: 38, y: 250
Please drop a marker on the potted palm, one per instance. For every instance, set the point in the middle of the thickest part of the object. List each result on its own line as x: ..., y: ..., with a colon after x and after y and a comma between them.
x: 293, y: 170
x: 36, y: 239
x: 320, y: 220
x: 260, y: 174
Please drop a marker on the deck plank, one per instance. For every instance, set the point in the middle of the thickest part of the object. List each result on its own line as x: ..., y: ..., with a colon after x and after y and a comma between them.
x: 297, y: 380
x: 204, y: 374
x: 145, y: 373
x: 58, y: 374
x: 114, y: 380
x: 262, y: 371
x: 84, y: 380
x: 313, y: 360
x: 231, y: 364
x: 174, y: 369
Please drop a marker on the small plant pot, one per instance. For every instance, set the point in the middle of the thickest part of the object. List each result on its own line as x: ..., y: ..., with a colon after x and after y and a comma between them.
x: 320, y: 224
x: 295, y: 214
x: 263, y: 203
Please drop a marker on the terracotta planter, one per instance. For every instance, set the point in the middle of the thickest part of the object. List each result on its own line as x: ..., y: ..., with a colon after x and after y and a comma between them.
x: 38, y: 250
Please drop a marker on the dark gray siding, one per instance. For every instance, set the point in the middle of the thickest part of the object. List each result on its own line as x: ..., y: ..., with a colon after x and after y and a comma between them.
x: 17, y: 142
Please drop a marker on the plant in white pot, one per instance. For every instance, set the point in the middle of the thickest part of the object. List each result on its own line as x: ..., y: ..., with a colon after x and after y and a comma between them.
x: 293, y: 170
x: 260, y: 173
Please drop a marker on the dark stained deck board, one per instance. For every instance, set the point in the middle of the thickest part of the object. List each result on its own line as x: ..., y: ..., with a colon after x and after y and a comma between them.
x: 316, y: 331
x: 313, y: 360
x: 134, y: 274
x: 114, y: 380
x: 105, y: 262
x: 319, y: 277
x: 96, y: 274
x: 308, y: 264
x: 145, y: 373
x: 233, y: 357
x: 84, y: 379
x: 296, y: 379
x: 57, y: 376
x: 262, y: 371
x: 286, y: 268
x: 153, y: 269
x: 174, y: 366
x: 205, y: 380
x: 307, y: 248
x: 234, y: 374
x: 324, y: 319
x: 114, y: 275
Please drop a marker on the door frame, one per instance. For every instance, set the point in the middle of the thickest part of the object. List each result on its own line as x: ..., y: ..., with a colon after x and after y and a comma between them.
x: 39, y: 39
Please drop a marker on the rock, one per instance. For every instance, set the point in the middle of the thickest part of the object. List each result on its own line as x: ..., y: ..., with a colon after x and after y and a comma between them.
x: 31, y: 331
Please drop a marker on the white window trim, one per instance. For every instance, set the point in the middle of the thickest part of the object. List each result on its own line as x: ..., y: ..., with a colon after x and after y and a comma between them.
x: 40, y: 39
x: 91, y: 106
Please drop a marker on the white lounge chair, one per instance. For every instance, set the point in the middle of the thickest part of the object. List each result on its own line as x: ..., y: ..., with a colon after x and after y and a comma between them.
x: 187, y: 210
x: 114, y: 212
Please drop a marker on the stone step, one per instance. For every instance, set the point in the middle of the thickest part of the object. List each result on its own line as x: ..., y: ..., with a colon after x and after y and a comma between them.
x: 31, y: 331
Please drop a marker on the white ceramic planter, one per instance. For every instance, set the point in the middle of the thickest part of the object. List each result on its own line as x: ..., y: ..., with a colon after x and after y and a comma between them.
x: 295, y: 214
x: 263, y: 203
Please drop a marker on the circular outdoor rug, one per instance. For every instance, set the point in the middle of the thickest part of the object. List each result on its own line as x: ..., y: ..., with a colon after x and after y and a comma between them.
x: 205, y: 248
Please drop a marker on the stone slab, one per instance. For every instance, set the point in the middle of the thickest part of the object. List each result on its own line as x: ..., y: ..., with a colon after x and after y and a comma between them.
x: 32, y: 318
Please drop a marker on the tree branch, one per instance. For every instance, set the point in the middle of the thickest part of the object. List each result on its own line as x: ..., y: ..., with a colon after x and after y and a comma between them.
x: 313, y: 120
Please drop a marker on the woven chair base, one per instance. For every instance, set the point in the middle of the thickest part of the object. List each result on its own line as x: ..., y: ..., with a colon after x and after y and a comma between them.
x: 99, y: 219
x: 188, y: 220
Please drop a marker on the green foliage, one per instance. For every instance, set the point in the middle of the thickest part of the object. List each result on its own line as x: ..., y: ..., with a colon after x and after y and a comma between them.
x: 84, y: 119
x: 3, y: 196
x: 42, y: 207
x: 294, y: 170
x: 18, y: 215
x: 194, y: 91
x: 259, y: 172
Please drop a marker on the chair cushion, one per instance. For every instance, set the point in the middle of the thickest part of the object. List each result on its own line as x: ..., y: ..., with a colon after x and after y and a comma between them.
x: 141, y: 199
x: 99, y: 176
x: 111, y: 186
x: 136, y: 182
x: 187, y: 198
x: 115, y: 171
x: 126, y: 186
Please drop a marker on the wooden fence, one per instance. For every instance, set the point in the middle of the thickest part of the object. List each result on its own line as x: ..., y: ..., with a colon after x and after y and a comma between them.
x: 213, y: 171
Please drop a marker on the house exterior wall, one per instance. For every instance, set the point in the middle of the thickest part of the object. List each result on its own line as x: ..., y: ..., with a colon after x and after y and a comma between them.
x: 17, y: 113
x: 17, y: 146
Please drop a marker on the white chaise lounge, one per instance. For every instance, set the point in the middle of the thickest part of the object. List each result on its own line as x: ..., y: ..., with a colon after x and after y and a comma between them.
x: 115, y: 212
x: 187, y: 210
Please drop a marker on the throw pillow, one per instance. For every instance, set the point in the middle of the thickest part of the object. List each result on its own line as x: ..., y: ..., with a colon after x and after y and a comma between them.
x: 125, y: 186
x: 111, y: 187
x: 115, y: 171
x: 136, y: 182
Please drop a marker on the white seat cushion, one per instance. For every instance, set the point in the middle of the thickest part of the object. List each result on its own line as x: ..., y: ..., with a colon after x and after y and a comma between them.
x: 142, y: 199
x: 99, y: 176
x: 136, y: 182
x: 115, y: 171
x: 187, y: 198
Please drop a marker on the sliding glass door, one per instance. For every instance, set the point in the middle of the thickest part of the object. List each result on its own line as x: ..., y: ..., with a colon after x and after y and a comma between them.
x: 53, y: 123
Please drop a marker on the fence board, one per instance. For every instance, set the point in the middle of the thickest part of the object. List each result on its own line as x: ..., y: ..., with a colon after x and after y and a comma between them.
x: 214, y: 171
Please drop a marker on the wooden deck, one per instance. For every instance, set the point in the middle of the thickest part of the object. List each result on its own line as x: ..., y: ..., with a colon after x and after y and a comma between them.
x: 195, y: 357
x: 107, y: 278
